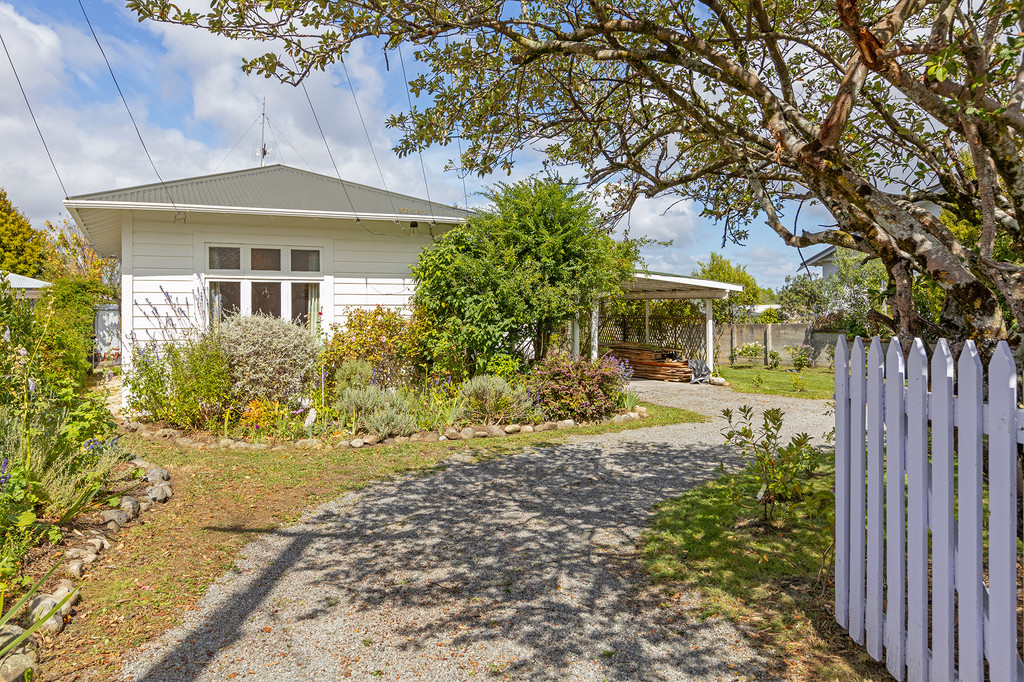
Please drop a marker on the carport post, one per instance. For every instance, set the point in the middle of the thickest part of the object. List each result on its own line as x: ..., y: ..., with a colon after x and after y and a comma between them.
x: 575, y: 326
x: 594, y: 314
x: 647, y: 321
x: 709, y: 335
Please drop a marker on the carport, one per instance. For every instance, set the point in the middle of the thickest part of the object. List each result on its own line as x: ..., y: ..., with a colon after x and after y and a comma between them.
x: 659, y: 286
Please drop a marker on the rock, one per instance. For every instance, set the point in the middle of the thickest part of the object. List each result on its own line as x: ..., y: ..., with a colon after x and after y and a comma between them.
x: 372, y: 439
x: 402, y: 439
x: 141, y: 463
x: 183, y: 442
x: 278, y: 448
x: 168, y: 434
x: 113, y: 528
x: 495, y: 431
x: 430, y: 438
x: 240, y: 445
x: 145, y: 434
x: 513, y: 428
x: 717, y: 381
x: 390, y: 441
x: 10, y: 632
x: 38, y: 607
x: 416, y: 437
x: 642, y: 411
x: 452, y: 433
x: 167, y: 489
x: 443, y: 438
x: 619, y: 419
x: 480, y: 434
x: 130, y: 427
x: 467, y: 433
x: 157, y: 493
x: 63, y: 590
x: 145, y: 505
x: 527, y: 428
x: 116, y: 515
x: 130, y: 506
x: 85, y: 555
x: 98, y: 535
x: 547, y: 426
x: 260, y: 446
x: 96, y: 544
x: 157, y: 474
x: 633, y: 416
x: 75, y: 569
x: 357, y: 443
x: 309, y: 443
x: 343, y: 445
x: 225, y: 442
x: 565, y: 424
x: 16, y: 668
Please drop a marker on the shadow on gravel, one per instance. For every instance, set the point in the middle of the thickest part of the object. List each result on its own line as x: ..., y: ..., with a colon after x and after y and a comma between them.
x: 530, y: 554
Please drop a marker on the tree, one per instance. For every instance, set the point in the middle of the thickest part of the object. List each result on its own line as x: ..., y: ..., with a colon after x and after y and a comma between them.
x: 514, y: 273
x: 850, y: 298
x: 22, y: 247
x: 739, y: 306
x: 862, y: 109
x: 70, y: 255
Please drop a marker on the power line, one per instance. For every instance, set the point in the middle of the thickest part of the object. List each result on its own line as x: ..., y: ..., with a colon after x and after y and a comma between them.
x: 423, y: 168
x: 369, y: 143
x: 237, y: 143
x: 32, y: 114
x: 127, y: 108
x: 458, y: 140
x: 270, y: 124
x: 316, y: 118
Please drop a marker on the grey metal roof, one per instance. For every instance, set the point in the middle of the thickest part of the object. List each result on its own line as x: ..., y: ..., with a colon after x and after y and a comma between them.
x: 277, y: 187
x: 821, y: 258
x: 22, y: 282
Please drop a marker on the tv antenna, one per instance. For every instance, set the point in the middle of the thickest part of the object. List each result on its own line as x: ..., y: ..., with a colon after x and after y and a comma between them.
x: 263, y: 152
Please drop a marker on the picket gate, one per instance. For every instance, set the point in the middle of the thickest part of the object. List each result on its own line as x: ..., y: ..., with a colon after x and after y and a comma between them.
x: 911, y: 583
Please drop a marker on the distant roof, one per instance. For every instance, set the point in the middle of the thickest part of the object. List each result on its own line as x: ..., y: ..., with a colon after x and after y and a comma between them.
x: 821, y: 258
x: 22, y: 282
x: 276, y: 190
x: 662, y: 286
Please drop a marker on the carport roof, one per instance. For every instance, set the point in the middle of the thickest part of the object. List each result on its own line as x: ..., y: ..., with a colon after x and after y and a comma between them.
x: 665, y: 286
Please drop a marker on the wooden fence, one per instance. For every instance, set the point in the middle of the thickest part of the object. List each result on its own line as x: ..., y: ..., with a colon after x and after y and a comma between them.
x: 914, y: 509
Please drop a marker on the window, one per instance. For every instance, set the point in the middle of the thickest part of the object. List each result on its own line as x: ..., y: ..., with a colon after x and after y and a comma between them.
x: 279, y: 281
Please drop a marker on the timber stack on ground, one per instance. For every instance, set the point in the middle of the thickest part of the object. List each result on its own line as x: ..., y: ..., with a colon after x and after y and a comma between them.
x: 653, y: 363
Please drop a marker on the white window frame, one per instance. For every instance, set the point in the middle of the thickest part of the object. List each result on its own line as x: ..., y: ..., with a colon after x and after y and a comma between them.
x: 246, y: 275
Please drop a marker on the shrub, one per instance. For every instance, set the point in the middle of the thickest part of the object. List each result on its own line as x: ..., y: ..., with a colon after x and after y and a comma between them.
x: 580, y: 390
x: 774, y: 359
x: 751, y: 350
x: 353, y: 374
x: 770, y: 316
x: 187, y: 383
x: 270, y: 358
x: 505, y: 366
x: 391, y: 421
x: 802, y: 355
x: 490, y: 400
x: 380, y: 336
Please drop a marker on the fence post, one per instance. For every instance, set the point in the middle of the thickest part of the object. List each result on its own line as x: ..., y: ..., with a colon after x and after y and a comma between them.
x: 858, y: 485
x: 875, y: 503
x: 940, y: 518
x: 917, y: 513
x: 895, y: 510
x: 842, y: 379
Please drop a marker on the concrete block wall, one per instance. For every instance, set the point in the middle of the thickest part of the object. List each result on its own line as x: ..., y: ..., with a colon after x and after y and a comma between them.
x: 773, y: 337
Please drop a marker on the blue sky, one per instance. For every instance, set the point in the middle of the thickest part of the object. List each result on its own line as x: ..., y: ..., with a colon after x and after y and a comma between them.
x: 193, y: 103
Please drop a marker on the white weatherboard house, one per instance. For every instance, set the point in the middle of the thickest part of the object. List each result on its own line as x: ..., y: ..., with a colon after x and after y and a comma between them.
x: 275, y: 240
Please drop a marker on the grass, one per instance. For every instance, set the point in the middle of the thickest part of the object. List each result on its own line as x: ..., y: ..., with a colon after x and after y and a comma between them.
x: 762, y: 576
x: 817, y: 382
x: 157, y: 570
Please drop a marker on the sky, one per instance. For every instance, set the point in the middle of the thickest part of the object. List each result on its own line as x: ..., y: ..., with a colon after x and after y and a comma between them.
x: 198, y: 113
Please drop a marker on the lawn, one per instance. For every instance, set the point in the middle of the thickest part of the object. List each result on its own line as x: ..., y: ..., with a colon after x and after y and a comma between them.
x: 812, y: 382
x: 157, y: 570
x: 765, y: 577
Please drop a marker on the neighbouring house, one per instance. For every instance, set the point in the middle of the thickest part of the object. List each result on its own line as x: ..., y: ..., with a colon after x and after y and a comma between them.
x: 29, y: 287
x: 274, y: 240
x: 824, y: 259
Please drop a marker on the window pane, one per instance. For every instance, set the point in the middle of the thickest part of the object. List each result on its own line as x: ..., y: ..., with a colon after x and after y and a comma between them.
x: 225, y: 258
x: 266, y: 259
x: 266, y: 298
x: 225, y: 299
x: 305, y: 260
x: 305, y: 302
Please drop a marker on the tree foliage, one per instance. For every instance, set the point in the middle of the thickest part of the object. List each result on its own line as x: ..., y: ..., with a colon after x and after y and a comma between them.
x: 739, y: 306
x: 23, y: 249
x: 860, y: 107
x: 851, y: 299
x: 511, y: 275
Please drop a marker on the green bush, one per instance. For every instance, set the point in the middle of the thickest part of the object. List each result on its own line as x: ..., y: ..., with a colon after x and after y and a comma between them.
x: 269, y: 358
x: 382, y: 337
x: 353, y: 374
x: 391, y: 421
x: 802, y: 355
x: 774, y: 359
x: 580, y: 390
x: 67, y: 312
x: 491, y: 400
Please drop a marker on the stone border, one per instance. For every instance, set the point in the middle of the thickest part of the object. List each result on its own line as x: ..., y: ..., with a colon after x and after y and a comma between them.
x: 451, y: 433
x: 24, y: 658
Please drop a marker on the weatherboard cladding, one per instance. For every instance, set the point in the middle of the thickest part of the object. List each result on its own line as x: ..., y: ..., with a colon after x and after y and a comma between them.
x: 277, y: 188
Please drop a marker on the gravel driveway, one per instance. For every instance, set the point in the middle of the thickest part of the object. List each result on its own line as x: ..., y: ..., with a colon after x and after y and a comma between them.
x: 518, y: 567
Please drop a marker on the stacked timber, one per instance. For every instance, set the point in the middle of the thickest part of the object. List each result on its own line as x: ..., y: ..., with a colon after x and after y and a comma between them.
x: 653, y: 363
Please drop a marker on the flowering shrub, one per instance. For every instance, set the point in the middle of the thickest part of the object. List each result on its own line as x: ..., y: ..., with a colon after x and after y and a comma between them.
x: 381, y: 336
x: 580, y: 390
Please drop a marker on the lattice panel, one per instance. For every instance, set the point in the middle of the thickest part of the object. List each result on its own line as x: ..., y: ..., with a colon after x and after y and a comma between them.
x: 682, y: 334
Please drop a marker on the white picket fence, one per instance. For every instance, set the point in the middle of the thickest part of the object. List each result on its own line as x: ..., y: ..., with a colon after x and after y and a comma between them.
x: 899, y: 477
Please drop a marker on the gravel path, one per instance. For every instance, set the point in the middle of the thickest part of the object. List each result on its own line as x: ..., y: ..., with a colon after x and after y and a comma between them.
x: 519, y: 567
